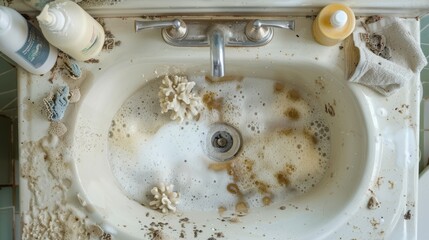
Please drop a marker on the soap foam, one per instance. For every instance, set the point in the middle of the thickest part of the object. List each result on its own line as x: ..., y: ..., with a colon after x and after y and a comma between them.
x: 282, y: 155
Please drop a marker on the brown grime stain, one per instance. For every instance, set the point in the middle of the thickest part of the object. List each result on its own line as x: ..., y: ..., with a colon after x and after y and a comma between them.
x: 330, y: 109
x: 224, y: 79
x: 292, y: 113
x: 222, y: 166
x: 282, y: 178
x: 221, y: 210
x: 310, y: 136
x: 241, y: 207
x: 286, y: 132
x: 290, y: 168
x: 212, y: 102
x: 278, y: 87
x: 233, y: 188
x: 266, y: 201
x: 294, y: 95
x: 262, y: 187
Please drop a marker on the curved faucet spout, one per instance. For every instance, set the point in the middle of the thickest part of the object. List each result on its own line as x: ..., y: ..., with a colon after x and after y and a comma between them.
x: 217, y: 53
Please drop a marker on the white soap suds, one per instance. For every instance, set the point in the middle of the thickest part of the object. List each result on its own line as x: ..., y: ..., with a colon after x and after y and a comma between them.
x: 175, y: 95
x: 283, y: 133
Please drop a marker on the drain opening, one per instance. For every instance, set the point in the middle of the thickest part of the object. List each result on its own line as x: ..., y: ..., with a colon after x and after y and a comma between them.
x: 223, y: 143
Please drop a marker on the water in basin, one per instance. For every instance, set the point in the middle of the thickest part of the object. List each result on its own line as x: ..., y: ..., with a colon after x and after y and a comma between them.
x: 294, y: 133
x: 285, y: 144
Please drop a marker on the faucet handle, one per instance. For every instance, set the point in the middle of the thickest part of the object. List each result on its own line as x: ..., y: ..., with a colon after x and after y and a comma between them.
x: 260, y: 30
x: 174, y: 29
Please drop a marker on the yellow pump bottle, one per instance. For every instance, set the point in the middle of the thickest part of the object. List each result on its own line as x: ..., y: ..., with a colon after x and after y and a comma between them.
x: 333, y: 24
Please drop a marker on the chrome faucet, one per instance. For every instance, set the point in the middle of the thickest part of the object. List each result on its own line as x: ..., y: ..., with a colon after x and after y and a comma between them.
x: 217, y: 34
x: 217, y: 53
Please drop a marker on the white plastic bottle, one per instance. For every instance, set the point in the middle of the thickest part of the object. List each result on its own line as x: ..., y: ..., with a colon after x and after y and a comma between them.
x: 69, y: 28
x: 25, y: 44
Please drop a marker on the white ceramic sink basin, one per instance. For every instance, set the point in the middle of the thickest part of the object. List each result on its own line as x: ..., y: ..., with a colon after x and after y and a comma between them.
x: 119, y: 146
x: 349, y: 170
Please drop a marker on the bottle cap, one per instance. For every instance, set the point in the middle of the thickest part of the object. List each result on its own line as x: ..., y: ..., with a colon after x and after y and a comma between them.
x: 4, y: 19
x: 51, y: 18
x: 339, y: 19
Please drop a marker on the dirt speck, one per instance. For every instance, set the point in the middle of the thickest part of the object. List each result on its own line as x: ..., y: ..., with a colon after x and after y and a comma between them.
x: 373, y: 203
x: 329, y: 109
x: 407, y: 215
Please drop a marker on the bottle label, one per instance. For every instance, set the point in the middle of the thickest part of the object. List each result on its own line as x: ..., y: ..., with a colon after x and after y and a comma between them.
x: 94, y: 39
x: 35, y: 50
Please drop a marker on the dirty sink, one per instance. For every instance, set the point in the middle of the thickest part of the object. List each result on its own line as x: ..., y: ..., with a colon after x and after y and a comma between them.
x: 313, y: 156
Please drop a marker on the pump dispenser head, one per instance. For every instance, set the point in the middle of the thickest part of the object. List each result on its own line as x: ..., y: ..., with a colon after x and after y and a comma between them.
x: 4, y: 20
x: 339, y: 19
x: 52, y: 18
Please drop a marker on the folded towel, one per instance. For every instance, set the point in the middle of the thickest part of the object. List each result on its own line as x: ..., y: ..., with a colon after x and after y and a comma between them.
x: 387, y: 56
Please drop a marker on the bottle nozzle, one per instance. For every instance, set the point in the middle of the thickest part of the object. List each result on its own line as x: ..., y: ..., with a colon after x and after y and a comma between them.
x: 4, y: 19
x: 52, y: 18
x: 339, y: 19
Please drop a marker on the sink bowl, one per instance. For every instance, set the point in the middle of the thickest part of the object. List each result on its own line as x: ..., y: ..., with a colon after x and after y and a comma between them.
x: 311, y: 150
x: 133, y: 147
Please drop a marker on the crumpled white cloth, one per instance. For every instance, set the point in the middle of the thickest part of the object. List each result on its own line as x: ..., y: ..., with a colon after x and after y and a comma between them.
x: 383, y: 75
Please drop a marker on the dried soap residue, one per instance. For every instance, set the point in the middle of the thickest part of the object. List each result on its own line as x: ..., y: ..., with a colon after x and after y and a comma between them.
x: 98, y: 3
x: 47, y: 216
x: 110, y: 40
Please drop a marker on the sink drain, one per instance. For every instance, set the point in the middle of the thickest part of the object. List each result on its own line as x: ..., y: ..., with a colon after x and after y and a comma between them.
x: 223, y: 142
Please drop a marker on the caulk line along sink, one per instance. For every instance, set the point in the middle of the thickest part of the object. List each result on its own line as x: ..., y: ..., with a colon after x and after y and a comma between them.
x: 315, y: 157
